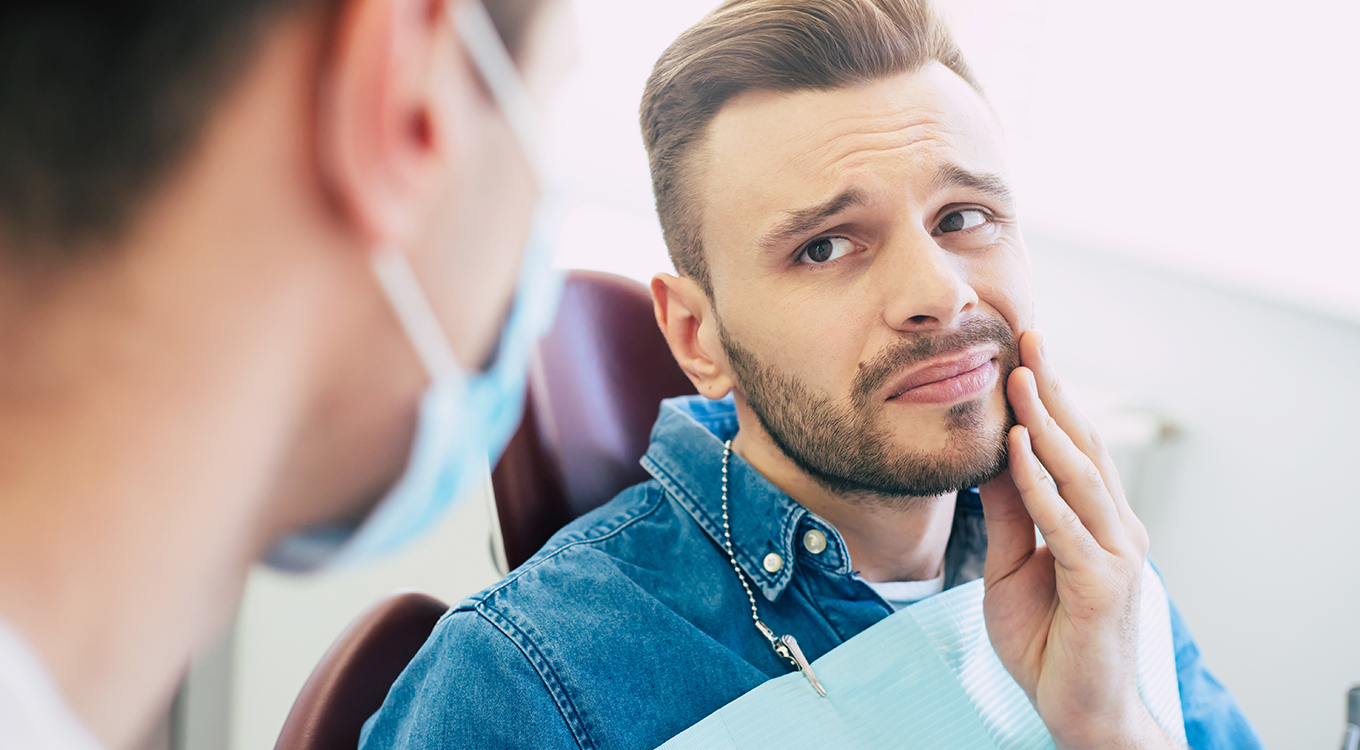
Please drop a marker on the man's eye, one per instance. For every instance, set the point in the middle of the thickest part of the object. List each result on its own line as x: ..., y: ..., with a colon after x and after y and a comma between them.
x: 957, y: 221
x: 824, y: 249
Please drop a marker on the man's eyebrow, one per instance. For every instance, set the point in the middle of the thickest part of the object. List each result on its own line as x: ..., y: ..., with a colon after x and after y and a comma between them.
x: 800, y: 221
x: 952, y: 175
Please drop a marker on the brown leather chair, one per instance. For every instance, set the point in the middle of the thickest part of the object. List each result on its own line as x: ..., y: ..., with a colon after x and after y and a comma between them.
x: 353, y: 678
x: 594, y: 391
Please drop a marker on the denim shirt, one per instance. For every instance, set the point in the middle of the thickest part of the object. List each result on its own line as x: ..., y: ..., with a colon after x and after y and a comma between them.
x: 630, y: 625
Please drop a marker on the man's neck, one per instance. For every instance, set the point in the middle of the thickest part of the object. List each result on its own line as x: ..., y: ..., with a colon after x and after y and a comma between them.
x: 150, y: 398
x: 889, y: 539
x: 141, y: 432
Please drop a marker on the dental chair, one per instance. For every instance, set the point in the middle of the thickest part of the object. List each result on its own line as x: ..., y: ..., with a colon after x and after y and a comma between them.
x: 594, y: 390
x: 352, y: 679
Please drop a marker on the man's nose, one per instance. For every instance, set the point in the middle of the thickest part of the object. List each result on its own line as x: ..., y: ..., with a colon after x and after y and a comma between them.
x: 926, y: 288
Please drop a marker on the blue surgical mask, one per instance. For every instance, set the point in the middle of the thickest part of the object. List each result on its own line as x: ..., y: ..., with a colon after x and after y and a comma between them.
x: 465, y: 420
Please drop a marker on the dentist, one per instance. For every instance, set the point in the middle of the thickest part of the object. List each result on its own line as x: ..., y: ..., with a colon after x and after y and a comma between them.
x: 264, y: 294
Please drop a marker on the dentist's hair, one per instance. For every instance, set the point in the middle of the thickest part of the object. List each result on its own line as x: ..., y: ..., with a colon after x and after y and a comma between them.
x: 100, y: 100
x: 774, y: 45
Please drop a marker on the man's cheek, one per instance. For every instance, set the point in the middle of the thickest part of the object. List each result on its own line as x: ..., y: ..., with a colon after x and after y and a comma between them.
x: 1001, y: 278
x: 1017, y: 295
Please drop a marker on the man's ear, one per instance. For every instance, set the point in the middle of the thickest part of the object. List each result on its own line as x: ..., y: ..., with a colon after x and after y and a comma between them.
x: 686, y: 319
x: 381, y: 145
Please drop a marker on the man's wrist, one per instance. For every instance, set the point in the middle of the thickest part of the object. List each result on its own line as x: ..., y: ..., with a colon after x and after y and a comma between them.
x: 1139, y: 731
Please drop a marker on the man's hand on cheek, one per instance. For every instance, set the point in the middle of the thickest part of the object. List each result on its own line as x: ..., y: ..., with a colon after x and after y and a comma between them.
x: 1063, y: 617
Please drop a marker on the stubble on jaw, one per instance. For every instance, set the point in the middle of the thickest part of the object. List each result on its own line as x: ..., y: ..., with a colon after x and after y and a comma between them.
x: 840, y: 445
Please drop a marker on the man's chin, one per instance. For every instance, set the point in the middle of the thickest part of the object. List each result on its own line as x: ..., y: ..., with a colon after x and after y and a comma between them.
x: 952, y: 429
x: 966, y: 449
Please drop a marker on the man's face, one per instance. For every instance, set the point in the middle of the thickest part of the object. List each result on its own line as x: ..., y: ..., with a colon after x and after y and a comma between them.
x: 869, y: 278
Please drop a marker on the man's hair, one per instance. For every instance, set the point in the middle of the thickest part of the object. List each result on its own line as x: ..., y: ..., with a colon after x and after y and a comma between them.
x: 100, y: 99
x: 772, y: 45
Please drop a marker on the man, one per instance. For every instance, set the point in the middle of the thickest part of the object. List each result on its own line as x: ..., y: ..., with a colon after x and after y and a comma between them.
x: 253, y: 255
x: 853, y: 305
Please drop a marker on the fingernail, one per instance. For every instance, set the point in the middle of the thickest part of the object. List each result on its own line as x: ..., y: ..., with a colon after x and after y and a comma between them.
x: 1041, y: 345
x: 1024, y: 437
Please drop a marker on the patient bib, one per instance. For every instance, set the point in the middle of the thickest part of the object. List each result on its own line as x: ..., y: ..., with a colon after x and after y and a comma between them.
x: 925, y: 677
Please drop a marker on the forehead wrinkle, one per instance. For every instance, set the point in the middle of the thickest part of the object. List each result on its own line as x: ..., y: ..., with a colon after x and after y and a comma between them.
x: 830, y: 150
x: 915, y: 154
x: 918, y: 159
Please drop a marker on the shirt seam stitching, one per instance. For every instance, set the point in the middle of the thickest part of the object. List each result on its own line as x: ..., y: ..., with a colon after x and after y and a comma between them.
x: 493, y: 614
x: 623, y: 523
x: 541, y: 664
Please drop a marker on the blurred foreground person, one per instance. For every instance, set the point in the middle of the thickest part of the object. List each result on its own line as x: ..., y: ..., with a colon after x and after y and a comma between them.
x: 263, y: 294
x: 876, y: 427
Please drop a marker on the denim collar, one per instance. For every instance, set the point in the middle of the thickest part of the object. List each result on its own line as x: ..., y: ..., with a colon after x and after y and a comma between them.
x: 685, y: 456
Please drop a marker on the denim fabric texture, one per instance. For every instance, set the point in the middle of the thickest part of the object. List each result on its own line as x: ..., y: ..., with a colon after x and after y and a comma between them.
x: 630, y: 624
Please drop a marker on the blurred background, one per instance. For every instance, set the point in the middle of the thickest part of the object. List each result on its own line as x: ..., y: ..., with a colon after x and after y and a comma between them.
x: 1187, y: 175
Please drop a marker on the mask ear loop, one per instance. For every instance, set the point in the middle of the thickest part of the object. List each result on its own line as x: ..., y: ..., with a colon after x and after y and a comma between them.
x: 474, y: 26
x: 417, y: 317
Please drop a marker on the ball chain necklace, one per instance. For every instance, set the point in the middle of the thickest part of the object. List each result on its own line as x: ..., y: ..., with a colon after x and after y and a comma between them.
x: 786, y: 646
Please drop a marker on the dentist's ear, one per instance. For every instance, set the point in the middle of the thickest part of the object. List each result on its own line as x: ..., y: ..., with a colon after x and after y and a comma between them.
x: 382, y: 130
x: 686, y: 319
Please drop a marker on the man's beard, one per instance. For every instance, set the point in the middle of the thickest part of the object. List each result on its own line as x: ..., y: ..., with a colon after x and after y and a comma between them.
x: 844, y: 445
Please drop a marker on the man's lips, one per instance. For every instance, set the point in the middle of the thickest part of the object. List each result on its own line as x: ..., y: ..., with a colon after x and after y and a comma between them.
x: 949, y: 378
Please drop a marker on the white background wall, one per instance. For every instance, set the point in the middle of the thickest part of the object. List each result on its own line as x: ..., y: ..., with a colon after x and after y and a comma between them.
x: 1254, y: 510
x: 1187, y: 171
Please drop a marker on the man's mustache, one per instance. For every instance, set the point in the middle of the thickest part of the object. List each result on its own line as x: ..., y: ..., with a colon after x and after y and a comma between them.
x: 915, y: 348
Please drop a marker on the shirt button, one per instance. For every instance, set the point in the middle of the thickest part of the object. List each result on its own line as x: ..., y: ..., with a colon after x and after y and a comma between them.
x: 773, y: 562
x: 815, y: 541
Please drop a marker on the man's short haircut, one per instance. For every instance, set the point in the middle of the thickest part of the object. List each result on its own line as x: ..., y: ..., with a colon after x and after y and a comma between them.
x: 100, y: 99
x: 772, y: 45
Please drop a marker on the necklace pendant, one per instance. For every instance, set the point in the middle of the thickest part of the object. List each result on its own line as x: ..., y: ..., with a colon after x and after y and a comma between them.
x: 795, y: 655
x: 786, y: 647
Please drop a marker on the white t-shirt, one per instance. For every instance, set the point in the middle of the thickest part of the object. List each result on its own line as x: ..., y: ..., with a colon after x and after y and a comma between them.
x: 33, y: 712
x: 902, y: 594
